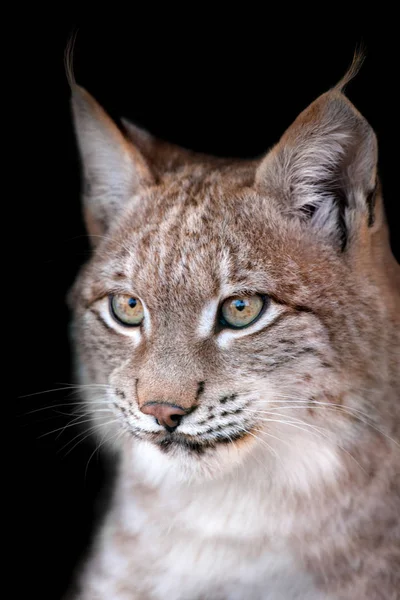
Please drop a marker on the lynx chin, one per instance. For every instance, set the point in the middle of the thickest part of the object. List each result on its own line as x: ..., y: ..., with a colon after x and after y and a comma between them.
x: 237, y: 332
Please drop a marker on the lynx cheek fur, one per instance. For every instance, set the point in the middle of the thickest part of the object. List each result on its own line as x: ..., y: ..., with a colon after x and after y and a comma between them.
x: 259, y: 461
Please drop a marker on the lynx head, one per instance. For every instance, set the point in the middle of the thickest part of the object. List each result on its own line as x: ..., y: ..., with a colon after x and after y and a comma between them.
x: 238, y: 312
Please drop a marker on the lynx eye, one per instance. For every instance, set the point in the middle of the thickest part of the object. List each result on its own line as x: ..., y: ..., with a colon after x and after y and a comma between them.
x: 241, y: 311
x: 127, y: 310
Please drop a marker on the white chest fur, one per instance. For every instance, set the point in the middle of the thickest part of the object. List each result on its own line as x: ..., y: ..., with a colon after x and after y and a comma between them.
x: 224, y: 539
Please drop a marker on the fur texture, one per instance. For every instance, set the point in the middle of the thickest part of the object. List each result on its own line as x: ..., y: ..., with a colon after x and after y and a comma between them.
x: 283, y: 480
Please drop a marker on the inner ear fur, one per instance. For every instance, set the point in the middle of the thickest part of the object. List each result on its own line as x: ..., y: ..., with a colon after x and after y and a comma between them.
x: 324, y: 168
x: 113, y: 168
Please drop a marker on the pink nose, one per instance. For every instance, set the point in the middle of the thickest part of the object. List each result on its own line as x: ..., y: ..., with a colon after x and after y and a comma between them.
x: 167, y: 415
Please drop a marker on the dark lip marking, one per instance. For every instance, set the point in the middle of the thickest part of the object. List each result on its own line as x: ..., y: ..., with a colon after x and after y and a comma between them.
x: 199, y: 448
x: 232, y: 437
x: 168, y: 443
x: 200, y: 389
x: 100, y: 320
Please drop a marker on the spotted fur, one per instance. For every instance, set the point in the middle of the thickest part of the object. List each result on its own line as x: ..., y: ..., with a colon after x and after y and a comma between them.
x: 282, y: 481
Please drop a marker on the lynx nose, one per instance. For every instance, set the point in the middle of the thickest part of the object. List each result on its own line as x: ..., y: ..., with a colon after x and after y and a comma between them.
x: 167, y: 415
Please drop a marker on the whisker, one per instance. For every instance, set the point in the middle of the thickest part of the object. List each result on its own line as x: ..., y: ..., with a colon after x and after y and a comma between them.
x: 73, y: 424
x: 321, y: 434
x: 68, y: 387
x: 293, y: 419
x: 313, y: 402
x: 82, y: 403
x: 88, y: 432
x: 97, y: 448
x: 293, y: 424
x: 271, y: 449
x: 364, y: 418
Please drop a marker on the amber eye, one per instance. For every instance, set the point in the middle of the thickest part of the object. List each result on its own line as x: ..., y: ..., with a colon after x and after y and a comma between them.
x: 241, y: 311
x: 127, y: 310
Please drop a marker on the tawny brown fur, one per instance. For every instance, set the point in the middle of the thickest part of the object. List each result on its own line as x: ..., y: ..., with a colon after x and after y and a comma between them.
x: 305, y: 504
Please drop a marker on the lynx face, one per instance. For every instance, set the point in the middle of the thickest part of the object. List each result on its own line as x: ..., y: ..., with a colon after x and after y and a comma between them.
x: 237, y: 311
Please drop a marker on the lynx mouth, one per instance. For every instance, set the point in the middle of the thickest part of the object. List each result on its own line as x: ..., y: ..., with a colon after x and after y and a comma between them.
x: 195, y: 445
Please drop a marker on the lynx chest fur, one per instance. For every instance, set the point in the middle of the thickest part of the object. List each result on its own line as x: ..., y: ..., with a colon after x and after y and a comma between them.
x: 238, y: 344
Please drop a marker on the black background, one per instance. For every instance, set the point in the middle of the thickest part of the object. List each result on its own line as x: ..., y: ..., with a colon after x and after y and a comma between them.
x: 219, y: 87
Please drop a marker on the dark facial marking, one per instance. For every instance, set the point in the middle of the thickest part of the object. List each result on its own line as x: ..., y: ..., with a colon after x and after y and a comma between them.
x: 167, y: 444
x: 326, y: 365
x: 232, y: 437
x: 121, y: 408
x: 120, y: 393
x: 200, y: 389
x: 231, y: 412
x: 287, y: 342
x: 225, y: 399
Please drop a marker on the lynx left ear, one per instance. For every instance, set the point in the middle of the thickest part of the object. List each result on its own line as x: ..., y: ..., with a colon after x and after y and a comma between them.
x: 324, y: 168
x: 113, y: 168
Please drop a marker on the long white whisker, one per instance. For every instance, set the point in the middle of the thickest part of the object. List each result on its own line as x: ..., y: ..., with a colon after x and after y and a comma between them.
x: 272, y: 450
x: 320, y: 432
x: 310, y: 402
x: 338, y: 408
x: 88, y: 432
x: 293, y: 419
x: 82, y: 403
x: 69, y: 388
x: 73, y: 424
x: 98, y: 446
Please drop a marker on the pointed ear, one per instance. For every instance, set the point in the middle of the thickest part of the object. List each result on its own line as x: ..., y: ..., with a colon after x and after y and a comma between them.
x: 323, y: 170
x: 113, y: 169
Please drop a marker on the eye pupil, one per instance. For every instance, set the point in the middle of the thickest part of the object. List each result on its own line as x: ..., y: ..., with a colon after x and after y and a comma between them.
x: 132, y: 302
x: 240, y: 305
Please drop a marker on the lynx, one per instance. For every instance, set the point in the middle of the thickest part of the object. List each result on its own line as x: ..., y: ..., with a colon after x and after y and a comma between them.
x: 237, y: 332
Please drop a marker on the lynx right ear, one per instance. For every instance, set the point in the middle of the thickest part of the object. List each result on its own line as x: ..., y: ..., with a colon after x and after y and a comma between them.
x: 113, y: 169
x: 324, y: 169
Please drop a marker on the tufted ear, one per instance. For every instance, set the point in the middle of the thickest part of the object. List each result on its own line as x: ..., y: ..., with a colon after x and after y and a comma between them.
x: 324, y: 168
x: 113, y: 169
